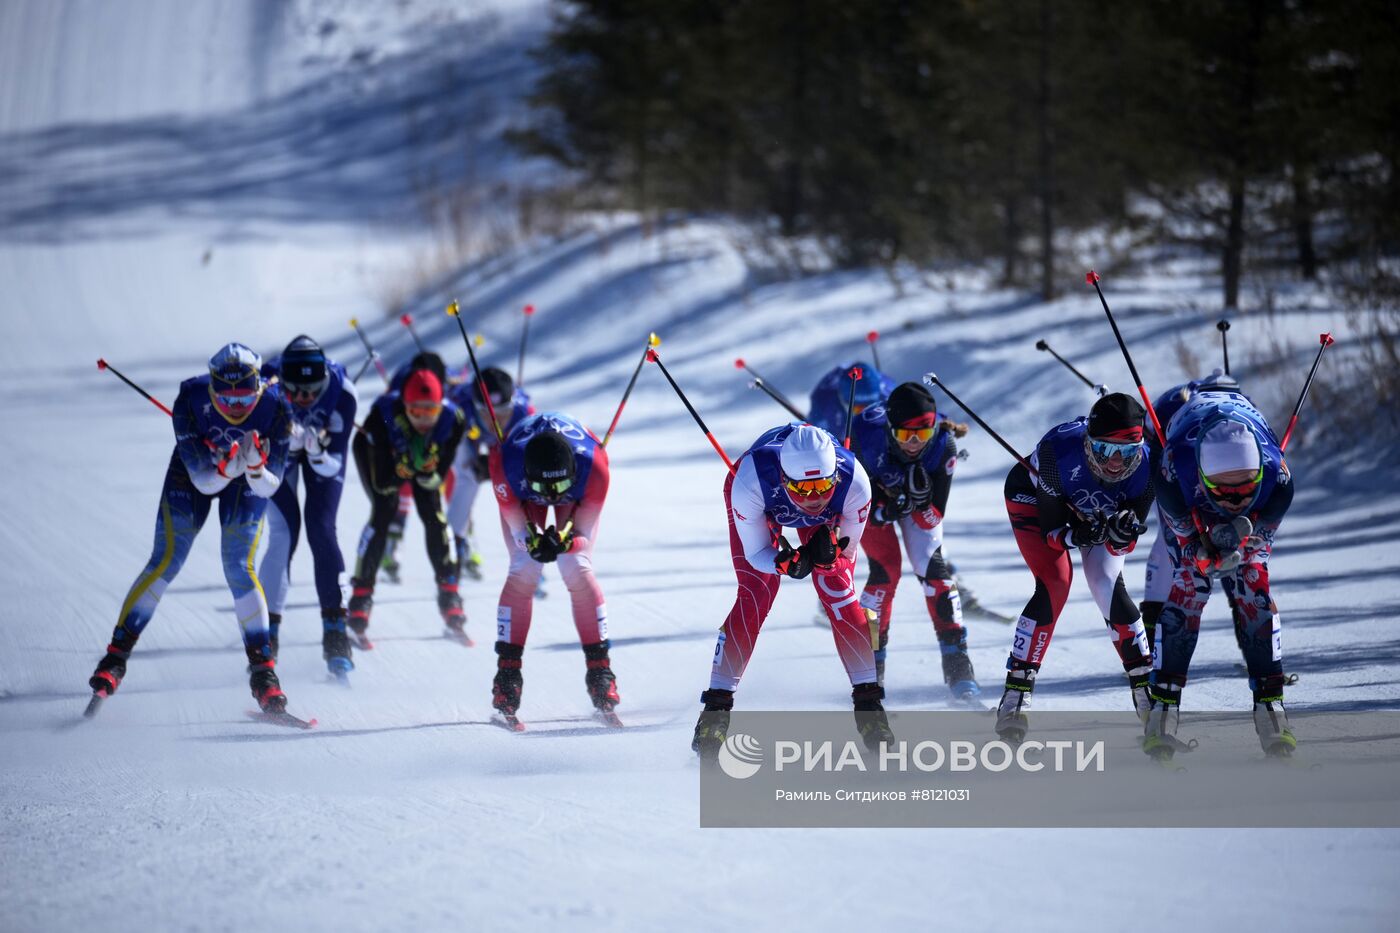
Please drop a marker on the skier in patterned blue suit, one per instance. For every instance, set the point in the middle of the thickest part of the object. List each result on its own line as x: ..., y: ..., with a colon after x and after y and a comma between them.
x: 232, y: 432
x: 828, y: 405
x: 910, y: 455
x: 323, y: 409
x: 472, y: 466
x: 1223, y: 488
x: 1090, y: 492
x: 1159, y: 576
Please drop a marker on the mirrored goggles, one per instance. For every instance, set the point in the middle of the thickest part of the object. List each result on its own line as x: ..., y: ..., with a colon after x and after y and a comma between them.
x: 236, y: 400
x: 1104, y: 450
x: 810, y: 488
x: 424, y: 412
x: 1234, y: 491
x: 550, y: 487
x: 304, y: 393
x: 905, y: 435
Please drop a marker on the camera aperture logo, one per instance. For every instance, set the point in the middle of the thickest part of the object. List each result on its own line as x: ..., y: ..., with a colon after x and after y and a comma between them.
x: 741, y: 756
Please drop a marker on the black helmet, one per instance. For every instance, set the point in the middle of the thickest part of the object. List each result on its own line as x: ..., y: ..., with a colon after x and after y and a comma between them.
x: 303, y: 362
x: 431, y: 362
x: 498, y: 384
x: 549, y: 465
x: 910, y: 405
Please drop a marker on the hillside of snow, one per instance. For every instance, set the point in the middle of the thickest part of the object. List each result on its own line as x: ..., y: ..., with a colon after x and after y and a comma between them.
x: 231, y: 173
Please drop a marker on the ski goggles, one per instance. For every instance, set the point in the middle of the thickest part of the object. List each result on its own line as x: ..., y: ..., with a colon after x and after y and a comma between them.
x: 304, y: 393
x: 809, y: 489
x: 235, y: 401
x: 550, y: 488
x: 423, y: 411
x: 1104, y: 450
x: 1234, y: 492
x: 905, y: 435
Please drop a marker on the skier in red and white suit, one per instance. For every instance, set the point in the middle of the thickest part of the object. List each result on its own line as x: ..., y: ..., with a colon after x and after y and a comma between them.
x: 550, y: 460
x: 797, y: 477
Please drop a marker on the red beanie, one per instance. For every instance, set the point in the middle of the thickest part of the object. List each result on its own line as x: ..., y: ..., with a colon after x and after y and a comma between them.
x: 422, y: 388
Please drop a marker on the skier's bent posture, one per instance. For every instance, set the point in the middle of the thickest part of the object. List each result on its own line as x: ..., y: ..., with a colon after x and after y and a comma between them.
x: 231, y: 435
x: 550, y: 460
x: 1223, y: 488
x: 794, y: 476
x: 1091, y: 493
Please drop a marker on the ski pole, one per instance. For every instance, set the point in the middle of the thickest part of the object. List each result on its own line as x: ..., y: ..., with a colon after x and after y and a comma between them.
x: 1223, y: 325
x: 455, y: 311
x: 932, y: 380
x: 653, y: 357
x: 1092, y: 278
x: 773, y: 393
x: 776, y: 396
x: 1326, y: 341
x: 524, y: 336
x: 364, y: 366
x: 871, y: 338
x: 103, y: 364
x: 369, y: 348
x: 406, y: 320
x: 653, y: 341
x: 855, y: 375
x: 1097, y: 387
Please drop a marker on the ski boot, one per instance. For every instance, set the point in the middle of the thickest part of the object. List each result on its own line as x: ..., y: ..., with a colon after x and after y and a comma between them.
x: 508, y: 682
x: 262, y: 680
x: 712, y: 728
x: 1271, y: 719
x: 361, y: 602
x: 468, y: 560
x: 274, y: 627
x: 1012, y: 721
x: 1163, y: 717
x: 957, y: 667
x: 599, y: 678
x: 112, y: 668
x: 453, y: 615
x: 335, y: 644
x: 1138, y: 678
x: 871, y: 721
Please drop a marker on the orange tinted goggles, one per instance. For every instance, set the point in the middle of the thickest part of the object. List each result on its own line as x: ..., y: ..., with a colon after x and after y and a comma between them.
x: 423, y: 411
x: 810, y: 488
x: 905, y: 435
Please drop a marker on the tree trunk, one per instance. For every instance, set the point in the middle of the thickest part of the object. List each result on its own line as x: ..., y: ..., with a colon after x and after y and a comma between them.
x: 1234, y: 242
x: 1046, y: 155
x: 1303, y: 223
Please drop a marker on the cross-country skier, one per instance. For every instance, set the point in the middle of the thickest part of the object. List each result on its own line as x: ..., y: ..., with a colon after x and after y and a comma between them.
x: 323, y: 409
x: 408, y: 437
x: 794, y: 476
x: 232, y: 431
x: 1091, y: 493
x: 1223, y: 488
x: 434, y: 364
x: 829, y: 396
x: 550, y: 460
x: 910, y: 456
x: 472, y: 466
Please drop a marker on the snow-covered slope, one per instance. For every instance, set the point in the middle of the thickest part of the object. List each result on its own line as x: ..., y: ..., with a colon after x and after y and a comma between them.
x: 404, y: 809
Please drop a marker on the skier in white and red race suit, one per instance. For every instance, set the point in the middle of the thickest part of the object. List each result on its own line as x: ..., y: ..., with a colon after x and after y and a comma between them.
x: 1223, y: 488
x: 910, y: 455
x: 1090, y: 493
x: 550, y: 460
x: 794, y: 476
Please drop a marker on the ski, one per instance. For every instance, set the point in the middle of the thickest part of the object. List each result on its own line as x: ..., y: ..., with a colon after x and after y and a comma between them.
x: 361, y: 640
x: 1288, y: 679
x: 508, y: 721
x: 978, y: 611
x: 94, y: 705
x: 459, y: 635
x: 281, y: 719
x: 608, y: 718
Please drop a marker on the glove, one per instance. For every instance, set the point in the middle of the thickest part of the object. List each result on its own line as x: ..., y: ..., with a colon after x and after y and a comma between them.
x: 297, y: 437
x: 1085, y: 532
x: 790, y: 561
x: 823, y: 551
x: 888, y: 508
x: 545, y: 546
x: 253, y: 453
x: 919, y: 485
x: 403, y: 469
x: 314, y: 442
x: 1221, y: 549
x: 228, y: 463
x: 481, y: 467
x: 1123, y: 528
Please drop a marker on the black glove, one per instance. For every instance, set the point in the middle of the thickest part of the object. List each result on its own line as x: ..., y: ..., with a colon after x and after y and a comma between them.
x: 919, y: 485
x: 481, y: 467
x: 790, y: 561
x: 545, y: 547
x: 1087, y: 532
x: 890, y: 508
x: 1123, y: 528
x: 822, y: 548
